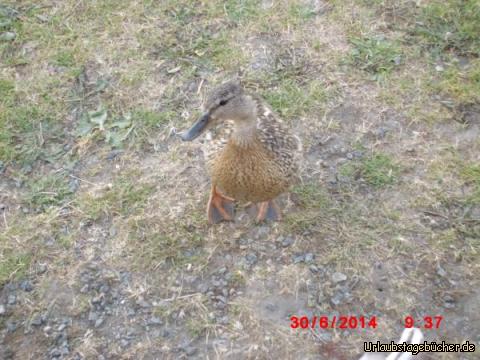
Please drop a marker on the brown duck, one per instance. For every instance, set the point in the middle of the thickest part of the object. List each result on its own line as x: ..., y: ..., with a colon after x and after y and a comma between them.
x: 250, y: 153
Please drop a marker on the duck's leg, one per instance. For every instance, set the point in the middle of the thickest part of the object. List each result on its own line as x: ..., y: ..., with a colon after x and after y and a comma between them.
x: 268, y: 210
x: 220, y: 207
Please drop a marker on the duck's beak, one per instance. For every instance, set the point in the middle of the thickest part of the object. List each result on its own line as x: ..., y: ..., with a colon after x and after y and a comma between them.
x: 196, y: 129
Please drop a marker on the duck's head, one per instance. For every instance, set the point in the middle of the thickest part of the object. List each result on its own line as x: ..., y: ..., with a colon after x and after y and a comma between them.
x: 226, y: 102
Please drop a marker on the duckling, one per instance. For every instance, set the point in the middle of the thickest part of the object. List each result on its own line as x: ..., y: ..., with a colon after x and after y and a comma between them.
x: 251, y: 155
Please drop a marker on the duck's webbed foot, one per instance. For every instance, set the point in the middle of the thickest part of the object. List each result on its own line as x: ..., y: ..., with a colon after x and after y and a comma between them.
x: 268, y: 210
x: 220, y: 207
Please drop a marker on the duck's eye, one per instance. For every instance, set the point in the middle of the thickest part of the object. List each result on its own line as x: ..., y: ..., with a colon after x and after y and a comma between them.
x: 223, y: 102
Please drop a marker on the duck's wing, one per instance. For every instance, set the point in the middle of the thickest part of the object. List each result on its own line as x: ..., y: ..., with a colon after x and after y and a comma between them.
x: 279, y: 140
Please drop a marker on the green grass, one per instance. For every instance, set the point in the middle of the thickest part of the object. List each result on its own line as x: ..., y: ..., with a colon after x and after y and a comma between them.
x: 375, y: 55
x: 290, y: 99
x: 450, y: 24
x: 378, y: 170
x: 311, y: 196
x: 124, y: 198
x: 50, y: 190
x: 13, y: 265
x: 471, y: 175
x: 462, y: 84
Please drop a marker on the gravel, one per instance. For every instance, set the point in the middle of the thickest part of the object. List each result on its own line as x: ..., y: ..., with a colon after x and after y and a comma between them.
x: 338, y: 277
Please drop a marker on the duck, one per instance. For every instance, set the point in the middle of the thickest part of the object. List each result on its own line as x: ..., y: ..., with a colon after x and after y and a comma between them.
x: 251, y: 155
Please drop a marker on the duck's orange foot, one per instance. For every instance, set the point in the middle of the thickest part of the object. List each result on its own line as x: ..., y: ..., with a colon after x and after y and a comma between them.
x: 219, y: 207
x: 268, y: 210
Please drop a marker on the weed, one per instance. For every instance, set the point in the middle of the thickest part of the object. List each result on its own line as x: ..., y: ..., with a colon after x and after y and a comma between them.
x: 124, y: 197
x: 451, y: 24
x: 471, y: 175
x: 375, y: 55
x: 13, y: 264
x: 378, y: 170
x: 290, y: 99
x: 462, y: 84
x: 50, y: 190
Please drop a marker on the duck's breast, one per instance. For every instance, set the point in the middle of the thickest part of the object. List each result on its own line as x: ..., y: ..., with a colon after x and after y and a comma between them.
x: 248, y: 173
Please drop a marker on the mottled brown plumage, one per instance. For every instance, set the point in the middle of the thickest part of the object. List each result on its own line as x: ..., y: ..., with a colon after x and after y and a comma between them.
x: 251, y: 155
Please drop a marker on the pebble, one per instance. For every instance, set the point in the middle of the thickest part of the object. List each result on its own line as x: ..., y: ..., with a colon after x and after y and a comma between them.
x: 441, y: 271
x: 337, y: 298
x: 190, y: 350
x: 338, y: 277
x: 2, y: 309
x: 11, y: 326
x: 26, y: 286
x: 298, y: 258
x: 99, y: 322
x: 38, y: 320
x: 155, y: 321
x: 251, y: 259
x: 142, y: 303
x: 41, y: 269
x: 12, y: 299
x: 92, y: 316
x: 287, y: 241
x: 309, y: 257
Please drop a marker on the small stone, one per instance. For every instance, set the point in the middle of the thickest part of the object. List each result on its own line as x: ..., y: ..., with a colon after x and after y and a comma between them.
x: 99, y: 322
x: 12, y: 299
x: 439, y: 68
x: 337, y: 298
x: 84, y: 289
x: 92, y: 316
x: 124, y: 343
x: 142, y: 303
x: 338, y: 277
x: 441, y: 271
x: 8, y: 36
x: 11, y: 326
x: 309, y: 257
x: 190, y: 350
x: 55, y: 353
x: 41, y: 269
x: 349, y: 156
x: 251, y: 259
x: 203, y: 288
x: 26, y: 286
x: 298, y: 258
x: 61, y: 327
x: 155, y: 321
x: 286, y: 242
x: 2, y: 310
x: 37, y: 320
x: 449, y: 302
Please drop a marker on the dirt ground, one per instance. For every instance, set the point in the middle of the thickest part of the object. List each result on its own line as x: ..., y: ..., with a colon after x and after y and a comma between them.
x: 105, y: 251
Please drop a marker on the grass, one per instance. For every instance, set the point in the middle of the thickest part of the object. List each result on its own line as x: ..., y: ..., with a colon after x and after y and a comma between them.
x: 471, y: 175
x: 124, y: 198
x: 378, y: 170
x: 290, y: 99
x: 450, y: 25
x: 46, y: 191
x: 462, y: 84
x: 375, y: 55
